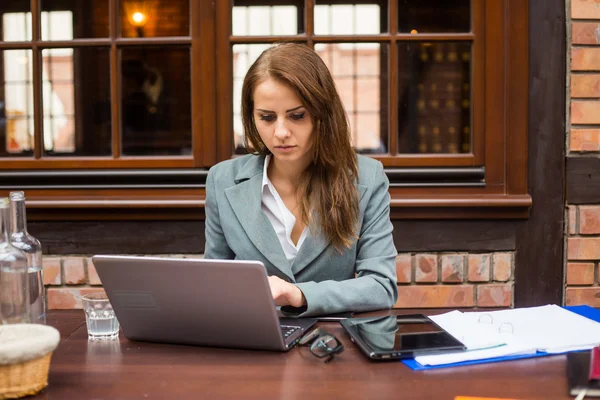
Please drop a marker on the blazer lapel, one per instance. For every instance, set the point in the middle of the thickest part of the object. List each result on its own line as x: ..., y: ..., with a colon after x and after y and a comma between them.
x: 313, y: 246
x: 246, y: 202
x: 315, y: 243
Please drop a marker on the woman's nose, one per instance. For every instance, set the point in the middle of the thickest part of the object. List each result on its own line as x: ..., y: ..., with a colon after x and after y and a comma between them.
x: 281, y: 130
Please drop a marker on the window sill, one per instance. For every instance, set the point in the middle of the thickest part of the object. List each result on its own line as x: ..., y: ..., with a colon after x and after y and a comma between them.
x: 177, y: 205
x: 473, y: 206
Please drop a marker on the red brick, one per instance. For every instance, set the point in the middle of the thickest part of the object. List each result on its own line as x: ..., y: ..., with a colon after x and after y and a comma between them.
x: 583, y: 248
x: 404, y: 268
x: 589, y: 219
x: 453, y: 268
x: 426, y: 268
x: 580, y: 273
x: 93, y: 278
x: 494, y: 295
x: 74, y: 270
x: 585, y: 59
x: 584, y: 86
x: 421, y: 296
x: 51, y: 267
x: 67, y: 298
x: 583, y: 295
x: 502, y: 266
x: 572, y: 219
x: 585, y: 112
x: 585, y: 9
x: 584, y: 140
x: 585, y: 33
x: 479, y: 267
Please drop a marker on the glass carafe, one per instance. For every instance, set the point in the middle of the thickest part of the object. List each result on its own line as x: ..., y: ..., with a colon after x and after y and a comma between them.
x: 31, y: 247
x: 14, y: 286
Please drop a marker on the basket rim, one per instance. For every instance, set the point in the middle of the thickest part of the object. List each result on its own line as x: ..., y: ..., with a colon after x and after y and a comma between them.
x: 24, y: 342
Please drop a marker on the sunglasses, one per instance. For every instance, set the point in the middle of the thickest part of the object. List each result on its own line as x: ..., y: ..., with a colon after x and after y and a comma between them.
x: 322, y: 344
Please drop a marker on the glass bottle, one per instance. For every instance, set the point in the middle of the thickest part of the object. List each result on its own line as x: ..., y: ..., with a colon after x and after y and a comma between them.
x: 32, y: 249
x: 14, y: 287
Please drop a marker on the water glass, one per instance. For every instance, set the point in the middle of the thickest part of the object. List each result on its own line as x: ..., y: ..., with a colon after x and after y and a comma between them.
x: 100, y: 317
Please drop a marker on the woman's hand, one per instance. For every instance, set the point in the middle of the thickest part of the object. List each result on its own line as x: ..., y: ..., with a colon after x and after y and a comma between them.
x: 285, y: 294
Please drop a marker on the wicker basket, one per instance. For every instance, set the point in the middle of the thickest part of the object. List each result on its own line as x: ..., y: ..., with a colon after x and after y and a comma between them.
x: 25, y: 352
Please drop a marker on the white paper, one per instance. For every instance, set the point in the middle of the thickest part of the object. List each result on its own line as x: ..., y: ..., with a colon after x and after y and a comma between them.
x: 473, y: 335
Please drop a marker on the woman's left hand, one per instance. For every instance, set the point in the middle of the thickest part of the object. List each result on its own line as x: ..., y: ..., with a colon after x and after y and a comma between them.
x: 285, y: 293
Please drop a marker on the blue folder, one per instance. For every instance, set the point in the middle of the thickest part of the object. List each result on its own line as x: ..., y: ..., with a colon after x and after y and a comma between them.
x: 585, y: 311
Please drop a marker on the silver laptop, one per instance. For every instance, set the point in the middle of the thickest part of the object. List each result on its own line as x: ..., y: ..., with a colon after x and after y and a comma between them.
x: 222, y: 303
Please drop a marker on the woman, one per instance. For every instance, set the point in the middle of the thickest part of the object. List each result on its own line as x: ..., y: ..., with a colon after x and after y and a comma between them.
x: 309, y: 208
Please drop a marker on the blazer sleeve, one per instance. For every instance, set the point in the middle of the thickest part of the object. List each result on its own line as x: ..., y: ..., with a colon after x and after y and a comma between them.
x: 374, y: 286
x: 216, y: 246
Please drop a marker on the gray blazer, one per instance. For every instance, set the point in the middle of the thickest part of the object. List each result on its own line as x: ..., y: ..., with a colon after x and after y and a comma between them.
x: 362, y: 278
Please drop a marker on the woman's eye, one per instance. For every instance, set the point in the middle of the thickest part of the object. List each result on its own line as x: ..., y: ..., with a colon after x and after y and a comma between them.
x: 268, y: 118
x: 298, y: 116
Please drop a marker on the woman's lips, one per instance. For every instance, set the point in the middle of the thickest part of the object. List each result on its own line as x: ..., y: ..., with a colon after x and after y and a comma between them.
x: 284, y: 148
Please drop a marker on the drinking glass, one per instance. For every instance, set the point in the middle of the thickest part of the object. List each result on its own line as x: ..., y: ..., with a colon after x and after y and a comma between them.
x: 100, y: 317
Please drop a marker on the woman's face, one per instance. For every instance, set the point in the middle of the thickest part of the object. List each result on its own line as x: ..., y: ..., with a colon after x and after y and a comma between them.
x: 283, y: 123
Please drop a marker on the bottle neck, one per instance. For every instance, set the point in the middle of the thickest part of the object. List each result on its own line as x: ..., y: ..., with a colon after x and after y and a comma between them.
x: 18, y: 220
x: 4, y: 231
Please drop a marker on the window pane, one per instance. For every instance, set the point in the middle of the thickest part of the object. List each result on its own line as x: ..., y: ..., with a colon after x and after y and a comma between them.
x: 16, y: 103
x: 156, y: 96
x: 362, y: 84
x: 349, y: 19
x: 243, y: 57
x: 70, y: 19
x: 434, y: 97
x: 152, y: 18
x: 76, y: 101
x: 265, y: 19
x: 428, y: 16
x: 16, y: 21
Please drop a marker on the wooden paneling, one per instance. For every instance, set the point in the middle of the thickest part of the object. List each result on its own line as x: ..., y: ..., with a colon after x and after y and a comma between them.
x: 539, y: 256
x: 518, y: 90
x: 184, y: 237
x: 450, y: 235
x: 583, y: 180
x: 120, y: 237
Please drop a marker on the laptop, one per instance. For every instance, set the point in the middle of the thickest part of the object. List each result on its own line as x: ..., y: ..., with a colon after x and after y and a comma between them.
x: 220, y: 303
x: 400, y: 336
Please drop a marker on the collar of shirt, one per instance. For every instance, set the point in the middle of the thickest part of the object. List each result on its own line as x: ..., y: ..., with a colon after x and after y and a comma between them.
x: 266, y: 181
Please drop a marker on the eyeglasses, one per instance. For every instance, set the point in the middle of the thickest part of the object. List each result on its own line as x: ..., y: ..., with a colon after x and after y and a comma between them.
x: 322, y: 344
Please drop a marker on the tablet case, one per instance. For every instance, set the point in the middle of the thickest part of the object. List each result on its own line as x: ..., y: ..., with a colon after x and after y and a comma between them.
x: 415, y: 341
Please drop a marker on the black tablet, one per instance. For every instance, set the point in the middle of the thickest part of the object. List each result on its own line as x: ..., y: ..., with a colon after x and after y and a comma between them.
x: 400, y: 336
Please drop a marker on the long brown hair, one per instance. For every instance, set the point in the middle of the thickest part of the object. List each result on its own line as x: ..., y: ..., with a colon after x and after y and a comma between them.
x: 327, y: 195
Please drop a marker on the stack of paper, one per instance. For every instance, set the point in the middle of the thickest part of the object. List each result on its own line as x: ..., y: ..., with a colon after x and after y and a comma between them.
x: 549, y: 329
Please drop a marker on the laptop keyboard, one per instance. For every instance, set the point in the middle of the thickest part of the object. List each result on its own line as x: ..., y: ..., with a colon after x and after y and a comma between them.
x: 288, y: 330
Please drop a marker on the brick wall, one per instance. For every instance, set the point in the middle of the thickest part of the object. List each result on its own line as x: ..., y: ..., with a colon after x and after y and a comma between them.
x: 583, y: 95
x: 424, y: 280
x: 455, y: 280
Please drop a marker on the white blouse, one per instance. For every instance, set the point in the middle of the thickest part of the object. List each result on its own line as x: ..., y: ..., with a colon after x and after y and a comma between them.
x: 281, y: 218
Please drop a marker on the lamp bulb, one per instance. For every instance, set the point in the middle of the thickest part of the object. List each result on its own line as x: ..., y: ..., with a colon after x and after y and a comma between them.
x: 138, y: 17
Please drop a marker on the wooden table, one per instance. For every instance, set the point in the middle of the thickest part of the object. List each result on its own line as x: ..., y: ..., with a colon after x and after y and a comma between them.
x: 124, y: 369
